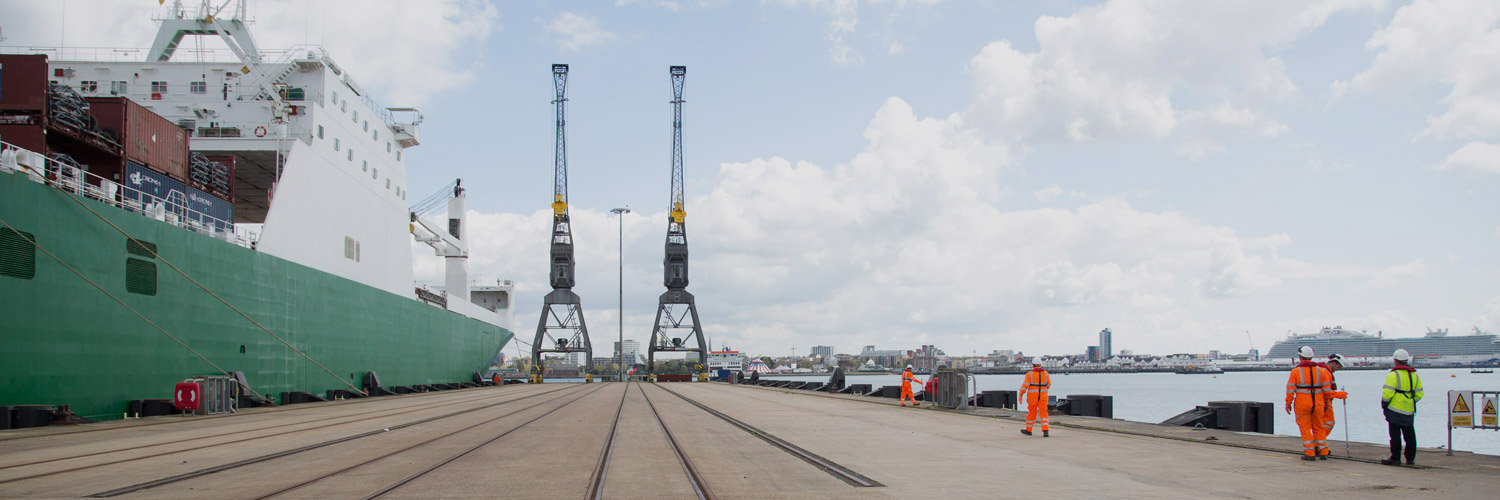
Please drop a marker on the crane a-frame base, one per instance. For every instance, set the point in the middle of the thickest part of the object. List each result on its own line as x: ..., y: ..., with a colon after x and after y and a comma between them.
x: 561, y: 329
x: 677, y: 330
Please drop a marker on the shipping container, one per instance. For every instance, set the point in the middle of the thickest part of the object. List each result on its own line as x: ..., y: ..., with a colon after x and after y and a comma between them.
x: 209, y: 210
x: 148, y: 139
x: 144, y: 187
x: 23, y: 82
x: 28, y: 137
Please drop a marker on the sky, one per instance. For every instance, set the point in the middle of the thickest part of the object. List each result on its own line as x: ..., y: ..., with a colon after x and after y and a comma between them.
x: 972, y: 175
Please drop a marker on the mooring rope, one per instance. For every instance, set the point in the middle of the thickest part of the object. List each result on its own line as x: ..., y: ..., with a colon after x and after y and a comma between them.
x: 210, y: 292
x: 127, y: 306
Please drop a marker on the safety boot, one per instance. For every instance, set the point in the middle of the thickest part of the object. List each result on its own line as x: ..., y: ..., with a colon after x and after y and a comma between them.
x: 1390, y: 461
x: 1046, y: 433
x: 1026, y: 432
x: 1309, y: 458
x: 1322, y: 457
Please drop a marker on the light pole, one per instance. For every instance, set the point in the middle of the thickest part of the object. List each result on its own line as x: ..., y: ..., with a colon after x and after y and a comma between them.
x: 620, y: 347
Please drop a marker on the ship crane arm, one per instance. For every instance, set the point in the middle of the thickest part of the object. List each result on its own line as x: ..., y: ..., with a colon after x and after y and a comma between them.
x: 442, y: 243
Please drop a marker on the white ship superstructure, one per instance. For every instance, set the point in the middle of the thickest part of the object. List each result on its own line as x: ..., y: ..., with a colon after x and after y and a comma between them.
x: 318, y: 163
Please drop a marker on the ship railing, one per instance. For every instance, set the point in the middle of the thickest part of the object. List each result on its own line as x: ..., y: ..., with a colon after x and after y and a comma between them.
x: 80, y: 182
x: 252, y: 130
x: 137, y: 54
x: 201, y: 55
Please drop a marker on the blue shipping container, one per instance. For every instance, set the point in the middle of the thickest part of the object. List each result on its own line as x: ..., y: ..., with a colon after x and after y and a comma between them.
x: 146, y: 187
x: 210, y: 210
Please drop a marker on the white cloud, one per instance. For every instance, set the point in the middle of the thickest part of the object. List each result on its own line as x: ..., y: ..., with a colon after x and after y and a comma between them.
x: 904, y: 243
x: 1477, y: 157
x: 574, y: 32
x: 1490, y: 320
x: 1395, y: 274
x: 665, y: 4
x: 429, y: 51
x: 406, y: 62
x: 1448, y: 42
x: 1115, y: 70
x: 1048, y: 193
x: 843, y: 31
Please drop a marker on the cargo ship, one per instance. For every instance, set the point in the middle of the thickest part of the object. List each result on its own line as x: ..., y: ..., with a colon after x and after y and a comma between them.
x: 172, y: 213
x: 1435, y: 348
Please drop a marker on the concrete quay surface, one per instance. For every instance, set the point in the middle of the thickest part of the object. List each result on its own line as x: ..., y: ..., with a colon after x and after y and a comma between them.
x: 547, y: 441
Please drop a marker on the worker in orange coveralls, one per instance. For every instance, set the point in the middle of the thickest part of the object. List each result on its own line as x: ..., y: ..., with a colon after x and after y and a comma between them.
x: 1305, y: 389
x: 1334, y: 363
x: 907, y: 379
x: 1035, y: 386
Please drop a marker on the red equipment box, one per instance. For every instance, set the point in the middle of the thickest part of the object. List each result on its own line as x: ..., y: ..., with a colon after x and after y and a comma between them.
x: 186, y: 396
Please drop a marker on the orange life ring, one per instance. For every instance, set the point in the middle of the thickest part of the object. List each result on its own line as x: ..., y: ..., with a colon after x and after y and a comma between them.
x: 260, y: 131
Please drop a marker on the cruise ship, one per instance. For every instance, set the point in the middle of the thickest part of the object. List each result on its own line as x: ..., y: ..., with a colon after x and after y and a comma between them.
x: 174, y: 213
x: 1436, y: 348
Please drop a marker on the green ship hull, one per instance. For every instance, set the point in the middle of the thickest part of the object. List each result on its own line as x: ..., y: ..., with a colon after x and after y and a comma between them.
x: 63, y: 341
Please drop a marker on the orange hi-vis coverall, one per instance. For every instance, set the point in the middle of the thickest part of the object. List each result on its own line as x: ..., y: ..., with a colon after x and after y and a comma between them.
x: 1305, y: 389
x: 1321, y: 433
x: 1035, y: 386
x: 907, y: 379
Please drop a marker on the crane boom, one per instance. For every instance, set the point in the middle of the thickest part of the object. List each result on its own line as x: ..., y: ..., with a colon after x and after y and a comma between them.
x: 675, y: 266
x: 562, y: 233
x: 560, y: 172
x: 679, y: 78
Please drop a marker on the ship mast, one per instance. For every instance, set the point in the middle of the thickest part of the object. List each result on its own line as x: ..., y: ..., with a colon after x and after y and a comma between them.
x: 676, y: 314
x: 561, y: 327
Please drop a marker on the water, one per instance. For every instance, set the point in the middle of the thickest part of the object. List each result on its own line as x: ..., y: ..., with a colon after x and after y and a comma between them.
x: 1154, y: 397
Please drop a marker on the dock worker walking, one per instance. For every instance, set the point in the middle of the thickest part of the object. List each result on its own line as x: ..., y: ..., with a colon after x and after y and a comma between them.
x: 1334, y: 364
x: 907, y: 379
x: 1403, y: 388
x: 1035, y: 385
x: 1304, y: 391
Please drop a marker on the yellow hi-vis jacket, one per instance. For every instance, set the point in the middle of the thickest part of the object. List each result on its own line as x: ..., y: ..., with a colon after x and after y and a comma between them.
x: 1403, y: 388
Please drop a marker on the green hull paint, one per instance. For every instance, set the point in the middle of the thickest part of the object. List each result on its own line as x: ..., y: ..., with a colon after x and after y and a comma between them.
x: 62, y: 341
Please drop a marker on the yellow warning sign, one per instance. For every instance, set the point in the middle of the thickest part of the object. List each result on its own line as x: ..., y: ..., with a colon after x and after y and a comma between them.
x: 1459, y: 413
x: 1488, y: 418
x: 1461, y: 406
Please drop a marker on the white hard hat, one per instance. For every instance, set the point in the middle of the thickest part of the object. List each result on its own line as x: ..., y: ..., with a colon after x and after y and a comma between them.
x: 1401, y: 355
x: 1305, y: 351
x: 1334, y: 358
x: 908, y: 367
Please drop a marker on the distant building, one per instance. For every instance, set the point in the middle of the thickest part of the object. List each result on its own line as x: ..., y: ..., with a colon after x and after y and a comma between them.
x: 1106, y: 344
x: 888, y: 357
x: 823, y: 351
x: 632, y: 348
x: 561, y: 370
x: 927, y: 358
x: 1092, y: 353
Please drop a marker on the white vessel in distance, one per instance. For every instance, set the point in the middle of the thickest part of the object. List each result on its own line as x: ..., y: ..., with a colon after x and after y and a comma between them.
x: 1436, y: 348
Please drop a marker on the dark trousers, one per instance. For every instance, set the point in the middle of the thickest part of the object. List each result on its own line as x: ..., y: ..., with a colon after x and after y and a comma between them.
x: 1410, y: 432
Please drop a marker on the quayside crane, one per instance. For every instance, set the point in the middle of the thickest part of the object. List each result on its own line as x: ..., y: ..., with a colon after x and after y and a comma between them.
x: 677, y: 328
x: 561, y: 328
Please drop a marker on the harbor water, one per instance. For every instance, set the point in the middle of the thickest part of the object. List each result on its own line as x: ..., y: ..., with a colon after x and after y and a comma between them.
x: 1154, y: 397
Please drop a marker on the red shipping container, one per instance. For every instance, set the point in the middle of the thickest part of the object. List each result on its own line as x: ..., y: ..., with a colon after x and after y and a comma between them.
x: 148, y: 138
x: 23, y: 82
x: 186, y: 396
x: 29, y: 137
